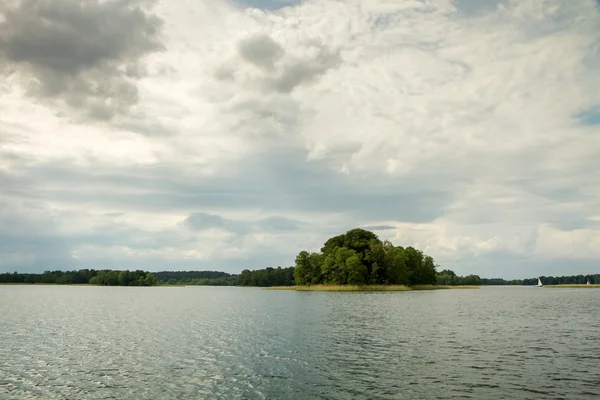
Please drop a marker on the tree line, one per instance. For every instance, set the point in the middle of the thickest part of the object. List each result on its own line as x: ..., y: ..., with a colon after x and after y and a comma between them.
x: 358, y: 257
x: 201, y: 278
x: 267, y: 277
x: 83, y: 276
x: 546, y: 280
x: 500, y: 281
x: 448, y: 277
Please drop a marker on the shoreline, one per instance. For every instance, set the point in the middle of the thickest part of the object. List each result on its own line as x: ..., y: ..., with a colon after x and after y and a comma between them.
x: 328, y: 288
x: 573, y: 286
x: 44, y: 284
x: 367, y: 288
x: 562, y: 286
x: 68, y: 284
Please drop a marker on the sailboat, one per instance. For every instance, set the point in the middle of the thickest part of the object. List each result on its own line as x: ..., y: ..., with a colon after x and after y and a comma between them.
x: 539, y: 283
x: 589, y: 283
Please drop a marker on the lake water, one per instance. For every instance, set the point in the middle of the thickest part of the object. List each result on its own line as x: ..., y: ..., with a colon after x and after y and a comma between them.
x: 69, y: 342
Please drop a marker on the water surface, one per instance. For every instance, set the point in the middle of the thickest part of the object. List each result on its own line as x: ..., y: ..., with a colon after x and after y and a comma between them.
x: 69, y: 342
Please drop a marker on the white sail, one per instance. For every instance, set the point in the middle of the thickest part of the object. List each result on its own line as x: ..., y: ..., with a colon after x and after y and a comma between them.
x: 539, y: 282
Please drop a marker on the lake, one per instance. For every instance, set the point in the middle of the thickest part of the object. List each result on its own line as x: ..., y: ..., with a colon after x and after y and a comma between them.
x: 71, y: 342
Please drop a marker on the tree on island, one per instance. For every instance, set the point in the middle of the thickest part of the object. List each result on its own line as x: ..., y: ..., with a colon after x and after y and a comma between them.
x: 359, y: 257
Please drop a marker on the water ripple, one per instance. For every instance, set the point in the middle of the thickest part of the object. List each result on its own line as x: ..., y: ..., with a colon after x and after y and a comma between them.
x: 241, y: 343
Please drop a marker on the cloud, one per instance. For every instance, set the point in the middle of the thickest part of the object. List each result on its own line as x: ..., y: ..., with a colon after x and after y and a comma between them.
x: 265, y: 65
x: 379, y: 228
x: 283, y: 187
x: 203, y: 221
x: 477, y: 7
x: 251, y: 131
x: 87, y: 54
x: 261, y: 51
x: 279, y: 224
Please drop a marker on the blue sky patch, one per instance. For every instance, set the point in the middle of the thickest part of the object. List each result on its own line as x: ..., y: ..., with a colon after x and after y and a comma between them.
x: 590, y: 116
x: 267, y: 4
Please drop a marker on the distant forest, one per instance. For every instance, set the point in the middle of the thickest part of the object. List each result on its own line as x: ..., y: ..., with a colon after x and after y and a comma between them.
x: 546, y: 280
x: 202, y: 278
x: 267, y: 277
x: 262, y: 278
x: 449, y: 278
x: 83, y: 276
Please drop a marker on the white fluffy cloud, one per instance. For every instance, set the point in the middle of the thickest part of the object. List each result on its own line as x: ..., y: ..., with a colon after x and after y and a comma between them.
x: 468, y: 129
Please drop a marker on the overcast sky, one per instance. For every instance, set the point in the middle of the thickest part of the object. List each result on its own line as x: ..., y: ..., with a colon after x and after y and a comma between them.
x: 207, y: 134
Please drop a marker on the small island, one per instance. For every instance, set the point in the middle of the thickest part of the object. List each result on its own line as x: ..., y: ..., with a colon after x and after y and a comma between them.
x: 354, y: 261
x: 359, y: 260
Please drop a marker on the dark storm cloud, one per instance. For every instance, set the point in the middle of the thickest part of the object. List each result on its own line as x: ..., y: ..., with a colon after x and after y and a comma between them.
x: 33, y: 238
x: 306, y: 70
x: 87, y: 53
x: 202, y: 220
x: 277, y: 183
x: 282, y: 71
x: 47, y: 251
x: 20, y: 235
x: 261, y: 51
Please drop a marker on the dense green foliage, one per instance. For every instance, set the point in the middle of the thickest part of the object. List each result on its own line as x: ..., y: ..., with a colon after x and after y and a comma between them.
x: 92, y: 276
x: 546, y: 280
x: 500, y: 281
x: 203, y: 278
x: 267, y: 277
x: 358, y: 257
x: 448, y: 277
x: 124, y: 278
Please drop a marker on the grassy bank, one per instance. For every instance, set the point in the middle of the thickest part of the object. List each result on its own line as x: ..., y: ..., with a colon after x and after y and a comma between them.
x: 567, y: 286
x: 367, y: 288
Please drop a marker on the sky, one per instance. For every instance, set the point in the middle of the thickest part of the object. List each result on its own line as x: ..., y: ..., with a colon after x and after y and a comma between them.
x: 224, y: 135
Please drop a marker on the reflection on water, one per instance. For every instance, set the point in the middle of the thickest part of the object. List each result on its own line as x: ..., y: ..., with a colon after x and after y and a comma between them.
x: 60, y: 342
